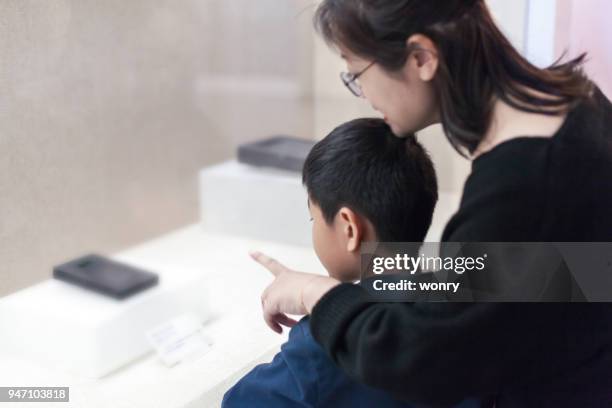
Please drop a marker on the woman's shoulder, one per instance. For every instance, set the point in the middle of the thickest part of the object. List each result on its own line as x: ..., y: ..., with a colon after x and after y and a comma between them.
x: 504, y: 195
x: 532, y: 188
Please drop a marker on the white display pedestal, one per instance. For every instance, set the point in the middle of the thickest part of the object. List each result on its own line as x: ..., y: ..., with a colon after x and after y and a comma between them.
x: 64, y: 326
x: 256, y: 202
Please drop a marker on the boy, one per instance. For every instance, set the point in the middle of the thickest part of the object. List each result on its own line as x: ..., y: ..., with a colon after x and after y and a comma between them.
x: 364, y: 184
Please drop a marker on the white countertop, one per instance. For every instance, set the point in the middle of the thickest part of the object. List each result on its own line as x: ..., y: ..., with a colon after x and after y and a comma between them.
x: 240, y: 337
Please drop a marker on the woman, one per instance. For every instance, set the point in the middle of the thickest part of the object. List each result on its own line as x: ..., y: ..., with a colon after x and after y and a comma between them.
x: 541, y: 144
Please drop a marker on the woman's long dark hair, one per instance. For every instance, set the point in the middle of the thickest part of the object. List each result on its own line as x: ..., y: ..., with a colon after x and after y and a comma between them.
x: 476, y: 61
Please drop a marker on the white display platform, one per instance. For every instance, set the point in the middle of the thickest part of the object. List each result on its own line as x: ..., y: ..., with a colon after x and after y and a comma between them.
x: 257, y: 202
x: 88, y: 334
x: 231, y: 287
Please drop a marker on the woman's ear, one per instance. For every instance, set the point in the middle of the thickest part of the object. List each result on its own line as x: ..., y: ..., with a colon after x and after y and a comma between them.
x: 424, y: 56
x: 352, y: 228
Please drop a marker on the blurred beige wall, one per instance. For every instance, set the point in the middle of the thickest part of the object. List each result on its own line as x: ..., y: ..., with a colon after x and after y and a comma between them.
x: 109, y: 108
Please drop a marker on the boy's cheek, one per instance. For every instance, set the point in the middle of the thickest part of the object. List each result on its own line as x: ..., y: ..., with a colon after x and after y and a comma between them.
x: 337, y: 265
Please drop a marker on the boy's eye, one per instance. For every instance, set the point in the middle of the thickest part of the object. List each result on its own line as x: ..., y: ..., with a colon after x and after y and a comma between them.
x: 311, y: 219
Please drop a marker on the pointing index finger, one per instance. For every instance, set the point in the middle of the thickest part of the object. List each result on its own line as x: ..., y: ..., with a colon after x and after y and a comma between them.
x: 270, y: 264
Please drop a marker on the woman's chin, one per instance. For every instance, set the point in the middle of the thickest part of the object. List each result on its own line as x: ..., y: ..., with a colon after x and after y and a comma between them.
x: 397, y: 131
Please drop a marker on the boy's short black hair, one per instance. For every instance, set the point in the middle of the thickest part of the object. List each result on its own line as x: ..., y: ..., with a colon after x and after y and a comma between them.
x: 389, y: 180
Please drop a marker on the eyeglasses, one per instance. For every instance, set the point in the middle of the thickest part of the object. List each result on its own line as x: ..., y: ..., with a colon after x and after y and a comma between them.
x: 350, y: 80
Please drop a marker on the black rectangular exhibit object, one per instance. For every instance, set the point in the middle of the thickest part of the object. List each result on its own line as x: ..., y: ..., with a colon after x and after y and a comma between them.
x: 105, y: 276
x: 281, y: 152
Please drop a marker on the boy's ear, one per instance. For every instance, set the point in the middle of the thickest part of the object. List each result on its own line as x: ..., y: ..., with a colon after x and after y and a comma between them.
x: 352, y: 228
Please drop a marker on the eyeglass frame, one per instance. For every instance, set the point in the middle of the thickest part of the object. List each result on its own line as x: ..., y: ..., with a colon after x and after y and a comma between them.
x: 349, y: 79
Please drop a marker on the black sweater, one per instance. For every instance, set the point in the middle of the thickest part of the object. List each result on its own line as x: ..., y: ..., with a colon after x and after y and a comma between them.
x: 523, y: 354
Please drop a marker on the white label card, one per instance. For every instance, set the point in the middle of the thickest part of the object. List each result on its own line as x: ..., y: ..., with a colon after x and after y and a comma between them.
x: 179, y: 339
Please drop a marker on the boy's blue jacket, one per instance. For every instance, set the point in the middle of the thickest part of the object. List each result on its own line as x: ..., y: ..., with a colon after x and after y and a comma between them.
x: 302, y: 375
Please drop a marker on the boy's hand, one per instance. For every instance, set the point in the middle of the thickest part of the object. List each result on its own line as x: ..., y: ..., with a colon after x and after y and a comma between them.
x: 291, y: 292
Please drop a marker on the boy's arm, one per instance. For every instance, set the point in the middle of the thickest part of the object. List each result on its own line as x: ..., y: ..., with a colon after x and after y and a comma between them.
x: 290, y: 379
